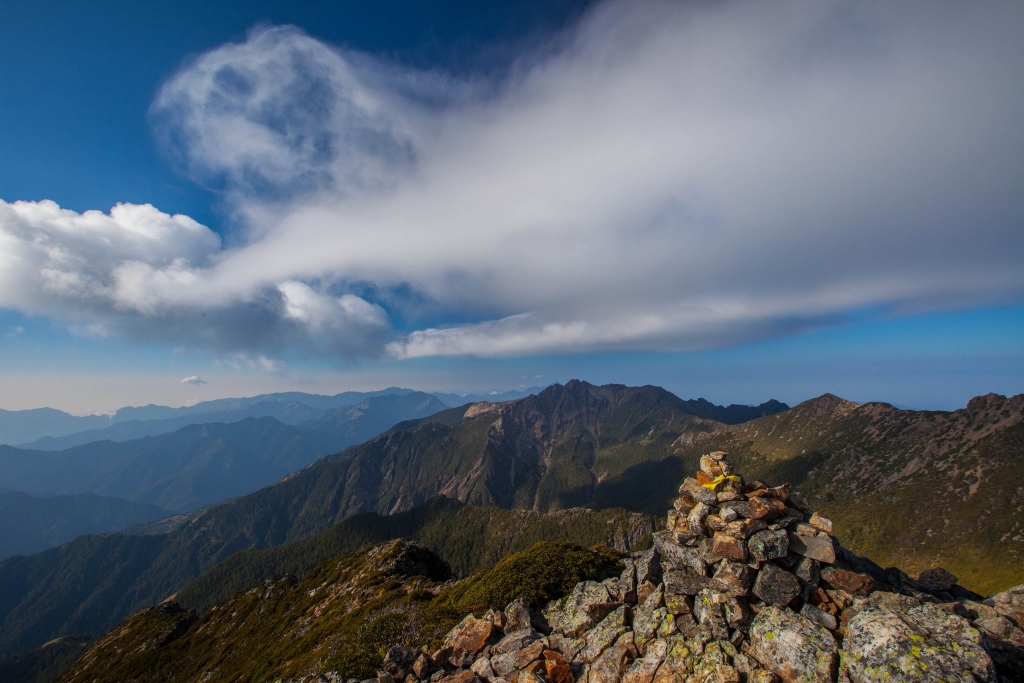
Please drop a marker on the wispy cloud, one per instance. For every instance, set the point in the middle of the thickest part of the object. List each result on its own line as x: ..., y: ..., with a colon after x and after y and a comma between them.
x: 15, y: 331
x: 194, y: 379
x: 674, y: 176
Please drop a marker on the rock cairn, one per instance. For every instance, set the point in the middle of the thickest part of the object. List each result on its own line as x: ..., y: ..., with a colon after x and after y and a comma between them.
x: 745, y: 584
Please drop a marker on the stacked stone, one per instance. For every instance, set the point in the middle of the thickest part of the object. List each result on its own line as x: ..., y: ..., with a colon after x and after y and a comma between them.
x: 744, y: 585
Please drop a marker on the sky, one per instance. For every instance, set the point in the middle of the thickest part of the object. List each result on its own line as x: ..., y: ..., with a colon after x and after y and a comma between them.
x: 732, y: 200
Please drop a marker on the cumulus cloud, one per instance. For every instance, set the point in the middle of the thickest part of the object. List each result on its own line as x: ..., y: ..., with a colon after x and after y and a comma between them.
x: 194, y: 379
x: 673, y: 176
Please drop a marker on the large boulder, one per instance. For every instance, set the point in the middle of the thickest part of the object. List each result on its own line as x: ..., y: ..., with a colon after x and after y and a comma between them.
x: 587, y: 604
x: 891, y: 637
x: 470, y: 635
x: 793, y: 647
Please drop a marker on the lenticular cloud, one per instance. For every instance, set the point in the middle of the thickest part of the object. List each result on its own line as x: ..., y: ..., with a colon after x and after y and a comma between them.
x: 671, y: 177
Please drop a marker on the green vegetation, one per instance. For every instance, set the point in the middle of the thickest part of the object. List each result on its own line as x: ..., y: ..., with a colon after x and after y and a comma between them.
x: 545, y: 572
x: 342, y: 617
x: 45, y: 664
x: 469, y: 538
x: 909, y: 489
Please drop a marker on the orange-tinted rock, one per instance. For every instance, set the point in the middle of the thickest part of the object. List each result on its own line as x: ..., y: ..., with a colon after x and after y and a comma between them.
x: 728, y: 547
x: 778, y: 492
x: 528, y: 654
x: 556, y: 668
x: 470, y: 635
x: 684, y: 503
x: 823, y: 523
x: 844, y: 579
x: 758, y: 508
x: 461, y: 677
x: 703, y: 478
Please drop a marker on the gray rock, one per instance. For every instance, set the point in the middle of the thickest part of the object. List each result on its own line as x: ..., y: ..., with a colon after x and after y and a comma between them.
x: 1009, y: 603
x: 936, y: 580
x: 675, y: 556
x: 399, y: 661
x: 605, y: 633
x: 696, y: 518
x: 818, y: 617
x: 642, y: 670
x: 768, y: 545
x: 792, y: 646
x: 516, y: 640
x: 808, y: 571
x: 698, y: 492
x: 894, y: 638
x: 627, y: 582
x: 685, y: 583
x: 734, y: 578
x: 709, y: 612
x: 809, y: 541
x: 609, y: 667
x: 648, y: 567
x: 577, y: 612
x: 519, y: 615
x: 775, y: 586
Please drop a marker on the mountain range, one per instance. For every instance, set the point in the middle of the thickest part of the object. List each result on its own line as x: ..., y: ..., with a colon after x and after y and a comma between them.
x: 49, y: 429
x: 939, y: 488
x: 206, y: 463
x: 405, y: 466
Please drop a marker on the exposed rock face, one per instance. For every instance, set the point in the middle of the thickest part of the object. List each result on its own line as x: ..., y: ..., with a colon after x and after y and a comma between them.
x: 745, y: 585
x: 793, y: 646
x: 895, y: 638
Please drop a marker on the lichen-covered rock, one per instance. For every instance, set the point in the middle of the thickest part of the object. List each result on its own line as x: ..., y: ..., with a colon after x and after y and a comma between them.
x: 775, y: 586
x: 709, y: 612
x: 516, y: 640
x: 588, y: 603
x: 609, y: 667
x: 769, y: 544
x: 734, y: 578
x: 1009, y: 603
x: 605, y: 633
x: 792, y: 646
x: 642, y: 670
x: 677, y: 662
x: 647, y: 617
x: 894, y: 638
x: 676, y: 556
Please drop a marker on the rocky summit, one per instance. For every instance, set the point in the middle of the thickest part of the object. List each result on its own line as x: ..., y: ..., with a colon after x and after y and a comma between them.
x: 745, y: 584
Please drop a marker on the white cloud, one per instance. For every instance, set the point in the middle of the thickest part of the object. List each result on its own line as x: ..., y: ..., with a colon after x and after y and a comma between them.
x: 194, y: 379
x: 675, y: 176
x: 15, y: 331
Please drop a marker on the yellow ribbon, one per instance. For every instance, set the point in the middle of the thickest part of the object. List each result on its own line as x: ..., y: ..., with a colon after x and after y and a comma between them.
x: 721, y: 479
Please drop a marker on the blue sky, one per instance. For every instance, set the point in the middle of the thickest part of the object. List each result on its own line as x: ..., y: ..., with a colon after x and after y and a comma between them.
x: 728, y: 202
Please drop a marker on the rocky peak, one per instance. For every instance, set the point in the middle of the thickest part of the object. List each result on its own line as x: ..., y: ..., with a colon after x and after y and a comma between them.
x: 745, y: 584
